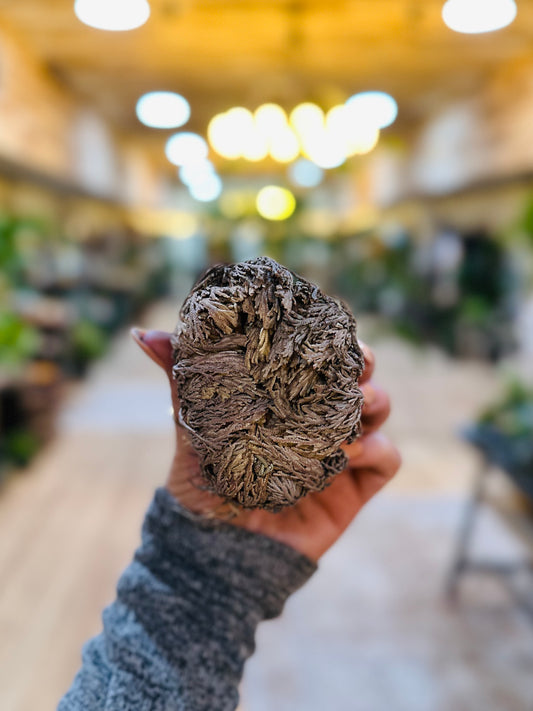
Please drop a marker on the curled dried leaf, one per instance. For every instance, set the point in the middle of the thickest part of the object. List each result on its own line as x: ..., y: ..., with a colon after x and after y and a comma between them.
x: 266, y: 367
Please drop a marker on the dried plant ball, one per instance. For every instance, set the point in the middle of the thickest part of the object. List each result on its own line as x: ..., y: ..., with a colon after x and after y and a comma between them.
x: 266, y: 368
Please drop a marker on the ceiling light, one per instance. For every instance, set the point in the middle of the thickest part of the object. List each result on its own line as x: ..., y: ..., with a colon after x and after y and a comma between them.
x: 233, y: 133
x: 240, y: 125
x: 284, y: 145
x: 113, y: 15
x: 375, y: 107
x: 327, y: 150
x: 359, y: 132
x: 163, y: 109
x: 275, y: 203
x: 475, y: 16
x: 255, y: 144
x: 240, y: 118
x: 269, y: 117
x: 305, y: 173
x: 223, y: 137
x: 192, y: 173
x: 362, y: 140
x: 307, y: 118
x: 207, y: 190
x: 183, y: 148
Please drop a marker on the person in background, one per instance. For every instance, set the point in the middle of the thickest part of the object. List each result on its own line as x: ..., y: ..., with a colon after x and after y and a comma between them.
x: 183, y: 622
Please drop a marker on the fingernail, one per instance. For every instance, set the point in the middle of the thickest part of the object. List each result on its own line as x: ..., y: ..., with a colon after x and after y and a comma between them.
x: 138, y: 334
x: 367, y: 353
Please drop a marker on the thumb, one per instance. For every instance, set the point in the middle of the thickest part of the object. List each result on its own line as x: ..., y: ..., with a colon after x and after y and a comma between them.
x: 156, y: 345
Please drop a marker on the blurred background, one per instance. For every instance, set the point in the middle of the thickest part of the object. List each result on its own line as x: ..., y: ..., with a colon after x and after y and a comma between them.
x: 384, y: 150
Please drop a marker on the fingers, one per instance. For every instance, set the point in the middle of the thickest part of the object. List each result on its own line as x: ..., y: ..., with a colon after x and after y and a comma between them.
x: 370, y: 362
x: 340, y: 501
x: 156, y: 345
x: 317, y: 520
x: 373, y: 451
x: 376, y: 407
x: 372, y: 461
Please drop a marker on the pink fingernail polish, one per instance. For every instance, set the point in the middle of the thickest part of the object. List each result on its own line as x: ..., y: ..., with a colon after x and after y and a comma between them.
x: 138, y: 333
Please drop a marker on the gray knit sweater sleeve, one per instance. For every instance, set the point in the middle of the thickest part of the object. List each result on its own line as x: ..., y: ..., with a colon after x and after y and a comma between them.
x: 183, y: 623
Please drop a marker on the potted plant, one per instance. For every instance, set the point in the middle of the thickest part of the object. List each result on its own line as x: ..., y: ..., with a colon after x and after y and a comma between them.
x: 504, y: 433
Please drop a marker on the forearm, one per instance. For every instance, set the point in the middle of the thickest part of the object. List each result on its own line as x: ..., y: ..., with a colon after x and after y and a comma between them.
x: 184, y: 620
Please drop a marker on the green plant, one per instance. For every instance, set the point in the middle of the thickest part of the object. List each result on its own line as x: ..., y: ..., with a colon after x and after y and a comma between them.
x: 18, y: 340
x: 504, y: 433
x: 475, y: 310
x: 14, y: 244
x: 88, y: 341
x: 512, y: 415
x: 20, y: 446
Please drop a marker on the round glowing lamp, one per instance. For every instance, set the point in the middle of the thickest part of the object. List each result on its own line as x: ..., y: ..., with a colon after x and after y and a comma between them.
x: 305, y: 174
x: 255, y: 145
x: 241, y: 119
x: 362, y: 140
x: 223, y: 138
x: 163, y: 109
x: 207, y: 189
x: 231, y: 134
x: 375, y: 107
x: 112, y: 15
x: 307, y: 118
x: 284, y: 145
x: 275, y: 203
x: 269, y: 118
x: 328, y: 150
x: 477, y: 16
x: 185, y: 147
x: 191, y: 173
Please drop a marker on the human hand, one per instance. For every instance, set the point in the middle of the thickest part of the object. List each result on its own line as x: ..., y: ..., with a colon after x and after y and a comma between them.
x: 315, y: 522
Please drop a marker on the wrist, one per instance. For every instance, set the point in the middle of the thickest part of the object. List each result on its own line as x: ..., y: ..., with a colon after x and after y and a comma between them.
x: 251, y: 568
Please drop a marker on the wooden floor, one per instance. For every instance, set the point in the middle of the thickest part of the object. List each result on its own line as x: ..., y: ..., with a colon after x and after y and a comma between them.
x: 69, y: 524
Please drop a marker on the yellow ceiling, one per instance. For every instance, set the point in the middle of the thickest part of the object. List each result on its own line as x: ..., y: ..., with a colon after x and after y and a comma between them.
x: 219, y: 54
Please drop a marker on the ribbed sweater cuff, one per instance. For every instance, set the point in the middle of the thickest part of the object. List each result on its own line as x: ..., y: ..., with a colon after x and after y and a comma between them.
x: 221, y: 557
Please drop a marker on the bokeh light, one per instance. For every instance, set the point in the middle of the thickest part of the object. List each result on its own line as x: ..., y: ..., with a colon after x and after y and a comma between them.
x: 207, y: 189
x: 284, y: 145
x: 305, y: 174
x: 275, y: 203
x: 307, y: 119
x: 241, y: 120
x: 112, y: 15
x: 326, y: 140
x: 376, y: 107
x: 476, y: 16
x: 191, y: 173
x: 163, y: 109
x: 271, y: 120
x: 255, y: 144
x: 327, y: 150
x: 223, y: 137
x: 185, y: 147
x: 269, y: 117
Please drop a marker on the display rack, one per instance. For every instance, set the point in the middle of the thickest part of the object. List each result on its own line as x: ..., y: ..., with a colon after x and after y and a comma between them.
x: 518, y: 521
